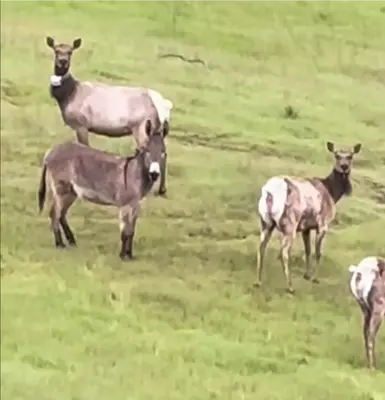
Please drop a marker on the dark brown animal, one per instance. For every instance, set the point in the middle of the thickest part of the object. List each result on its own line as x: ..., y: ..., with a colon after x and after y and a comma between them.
x: 102, y: 109
x: 367, y: 285
x: 74, y: 170
x: 291, y: 205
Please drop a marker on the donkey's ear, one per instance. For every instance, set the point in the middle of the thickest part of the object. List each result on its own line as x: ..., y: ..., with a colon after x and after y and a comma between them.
x: 381, y: 266
x: 357, y: 148
x: 166, y: 128
x: 50, y: 42
x: 330, y: 146
x: 77, y: 43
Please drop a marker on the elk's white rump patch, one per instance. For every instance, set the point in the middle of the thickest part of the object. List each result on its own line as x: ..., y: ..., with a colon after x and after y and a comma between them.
x: 277, y: 187
x: 362, y: 278
x: 162, y: 105
x: 55, y: 80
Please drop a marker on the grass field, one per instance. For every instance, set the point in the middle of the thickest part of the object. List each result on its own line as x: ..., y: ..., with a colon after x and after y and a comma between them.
x: 182, y: 321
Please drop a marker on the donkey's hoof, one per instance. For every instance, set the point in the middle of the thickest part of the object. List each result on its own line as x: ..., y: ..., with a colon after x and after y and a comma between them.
x: 306, y: 277
x: 162, y: 193
x: 125, y: 257
x: 290, y: 291
x: 72, y: 244
x: 257, y: 284
x: 315, y: 280
x: 60, y: 246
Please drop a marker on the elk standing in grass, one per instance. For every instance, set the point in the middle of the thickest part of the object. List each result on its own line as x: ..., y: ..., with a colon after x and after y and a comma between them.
x: 367, y: 284
x: 73, y: 170
x: 102, y: 109
x: 291, y: 205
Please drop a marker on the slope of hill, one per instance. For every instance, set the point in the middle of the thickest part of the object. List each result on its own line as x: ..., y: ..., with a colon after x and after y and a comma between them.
x: 182, y: 321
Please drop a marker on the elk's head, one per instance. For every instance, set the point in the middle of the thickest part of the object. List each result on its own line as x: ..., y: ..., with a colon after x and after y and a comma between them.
x: 343, y: 158
x: 62, y: 58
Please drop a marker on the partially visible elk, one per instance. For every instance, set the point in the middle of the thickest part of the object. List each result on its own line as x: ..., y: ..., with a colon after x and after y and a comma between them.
x: 74, y: 170
x: 108, y: 110
x: 295, y: 204
x: 367, y: 285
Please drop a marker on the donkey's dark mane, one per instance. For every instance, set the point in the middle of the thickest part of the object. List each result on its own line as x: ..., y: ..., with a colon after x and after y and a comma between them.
x: 337, y: 184
x: 127, y: 161
x: 64, y: 93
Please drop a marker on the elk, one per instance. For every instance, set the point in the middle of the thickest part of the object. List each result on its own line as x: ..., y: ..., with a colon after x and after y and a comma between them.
x: 296, y: 204
x: 102, y: 109
x: 74, y: 170
x: 367, y: 284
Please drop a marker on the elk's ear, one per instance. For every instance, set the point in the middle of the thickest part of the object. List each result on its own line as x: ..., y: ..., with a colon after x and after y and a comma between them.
x: 330, y: 146
x: 77, y: 43
x: 357, y: 148
x: 50, y: 42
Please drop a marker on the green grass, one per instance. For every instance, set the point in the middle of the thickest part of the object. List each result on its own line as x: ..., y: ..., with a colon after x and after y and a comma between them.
x: 182, y: 321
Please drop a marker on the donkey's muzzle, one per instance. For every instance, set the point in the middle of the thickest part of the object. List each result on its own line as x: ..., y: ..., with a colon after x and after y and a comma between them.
x: 154, y: 171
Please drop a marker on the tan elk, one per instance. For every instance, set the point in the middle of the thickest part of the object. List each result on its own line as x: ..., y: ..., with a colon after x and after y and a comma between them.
x: 295, y: 204
x: 74, y: 170
x: 108, y: 110
x: 367, y: 285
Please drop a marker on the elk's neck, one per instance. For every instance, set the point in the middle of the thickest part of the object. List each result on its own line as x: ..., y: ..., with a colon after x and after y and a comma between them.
x: 64, y: 93
x: 338, y: 185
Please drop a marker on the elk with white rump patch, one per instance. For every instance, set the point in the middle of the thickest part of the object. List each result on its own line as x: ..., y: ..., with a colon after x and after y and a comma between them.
x: 73, y: 170
x: 293, y: 204
x: 367, y: 285
x: 107, y: 110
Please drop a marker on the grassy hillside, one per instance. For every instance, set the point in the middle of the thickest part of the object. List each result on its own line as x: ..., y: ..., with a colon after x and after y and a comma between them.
x: 183, y: 321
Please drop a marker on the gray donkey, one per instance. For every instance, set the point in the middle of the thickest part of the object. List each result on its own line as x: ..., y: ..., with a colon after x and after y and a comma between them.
x: 73, y: 170
x: 367, y: 285
x: 292, y: 205
x: 102, y: 109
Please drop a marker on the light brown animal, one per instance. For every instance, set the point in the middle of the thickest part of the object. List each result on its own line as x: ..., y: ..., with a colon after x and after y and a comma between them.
x: 74, y: 170
x: 294, y: 204
x: 367, y: 285
x: 102, y: 109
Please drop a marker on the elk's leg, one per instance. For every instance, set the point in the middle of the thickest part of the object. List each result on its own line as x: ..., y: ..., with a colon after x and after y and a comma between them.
x: 55, y: 224
x: 307, y: 245
x: 67, y: 202
x: 82, y: 136
x: 128, y: 216
x: 264, y: 237
x: 286, y: 244
x: 318, y: 247
x: 163, y: 172
x: 374, y: 326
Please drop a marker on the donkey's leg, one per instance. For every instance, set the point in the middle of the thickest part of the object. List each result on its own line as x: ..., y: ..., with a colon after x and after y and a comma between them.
x: 286, y: 244
x: 127, y: 216
x: 365, y: 330
x: 163, y: 173
x: 320, y: 235
x: 374, y: 326
x: 68, y: 200
x: 82, y: 135
x: 307, y: 245
x: 55, y: 224
x: 264, y: 237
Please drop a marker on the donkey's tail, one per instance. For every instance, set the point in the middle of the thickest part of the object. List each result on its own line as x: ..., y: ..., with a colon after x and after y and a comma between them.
x: 42, y: 188
x: 272, y: 202
x: 352, y: 268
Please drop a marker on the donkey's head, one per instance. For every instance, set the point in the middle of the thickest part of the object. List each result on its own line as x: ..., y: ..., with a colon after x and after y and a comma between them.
x: 343, y: 158
x: 154, y: 153
x: 63, y: 53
